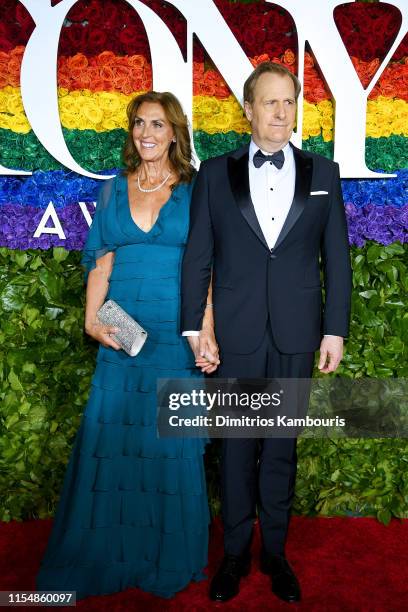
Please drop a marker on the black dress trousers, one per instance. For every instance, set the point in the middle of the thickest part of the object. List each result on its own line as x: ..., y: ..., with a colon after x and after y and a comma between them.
x: 259, y: 471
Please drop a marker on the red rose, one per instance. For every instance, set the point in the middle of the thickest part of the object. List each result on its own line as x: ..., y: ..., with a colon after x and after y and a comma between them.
x: 96, y: 13
x: 24, y: 18
x: 75, y: 37
x: 79, y: 12
x: 97, y: 40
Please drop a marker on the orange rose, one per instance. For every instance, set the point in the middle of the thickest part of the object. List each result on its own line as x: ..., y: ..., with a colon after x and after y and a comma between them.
x: 77, y: 74
x: 18, y: 51
x: 14, y: 80
x: 137, y: 61
x: 365, y: 70
x: 98, y: 84
x: 125, y: 86
x: 309, y: 63
x: 137, y: 83
x: 207, y: 89
x: 64, y: 81
x: 14, y: 66
x: 107, y: 72
x: 93, y: 73
x: 223, y: 91
x: 212, y: 75
x: 258, y: 59
x: 78, y: 61
x: 104, y: 58
x: 125, y: 71
x: 198, y: 70
x: 289, y: 57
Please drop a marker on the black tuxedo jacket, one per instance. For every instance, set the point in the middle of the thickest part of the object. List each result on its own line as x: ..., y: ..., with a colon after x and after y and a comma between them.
x: 251, y: 281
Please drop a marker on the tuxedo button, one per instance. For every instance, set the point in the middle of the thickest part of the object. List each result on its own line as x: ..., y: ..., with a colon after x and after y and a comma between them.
x: 272, y: 256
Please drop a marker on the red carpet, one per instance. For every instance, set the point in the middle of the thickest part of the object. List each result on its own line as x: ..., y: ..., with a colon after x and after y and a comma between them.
x: 343, y: 564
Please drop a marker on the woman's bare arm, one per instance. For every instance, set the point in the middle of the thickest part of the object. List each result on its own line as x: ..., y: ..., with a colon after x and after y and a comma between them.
x: 96, y: 290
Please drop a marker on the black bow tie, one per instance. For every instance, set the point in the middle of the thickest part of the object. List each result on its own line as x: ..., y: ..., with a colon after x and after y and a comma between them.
x: 277, y: 159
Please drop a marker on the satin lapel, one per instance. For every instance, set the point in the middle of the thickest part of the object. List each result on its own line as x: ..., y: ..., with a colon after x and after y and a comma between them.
x: 239, y: 181
x: 304, y: 171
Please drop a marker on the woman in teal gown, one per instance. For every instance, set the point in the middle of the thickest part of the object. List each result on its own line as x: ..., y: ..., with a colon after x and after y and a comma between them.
x: 133, y: 509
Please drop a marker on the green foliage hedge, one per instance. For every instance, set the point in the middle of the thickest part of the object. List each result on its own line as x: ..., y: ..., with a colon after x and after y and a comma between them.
x: 47, y: 363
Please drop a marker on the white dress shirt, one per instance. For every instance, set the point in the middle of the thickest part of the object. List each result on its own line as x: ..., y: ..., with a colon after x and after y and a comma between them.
x: 272, y: 191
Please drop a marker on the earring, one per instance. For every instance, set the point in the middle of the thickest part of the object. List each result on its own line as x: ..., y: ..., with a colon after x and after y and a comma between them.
x: 174, y: 140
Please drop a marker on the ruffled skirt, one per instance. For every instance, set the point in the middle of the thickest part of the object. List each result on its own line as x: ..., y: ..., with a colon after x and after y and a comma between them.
x: 133, y: 510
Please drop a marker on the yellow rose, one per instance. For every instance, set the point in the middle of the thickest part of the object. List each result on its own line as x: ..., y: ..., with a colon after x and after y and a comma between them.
x: 112, y: 103
x: 305, y: 132
x: 325, y: 107
x: 14, y: 104
x: 68, y: 105
x: 326, y: 123
x: 219, y: 122
x: 92, y: 113
x: 81, y: 124
x: 21, y: 125
x: 208, y: 104
x: 69, y: 121
x: 4, y: 121
x: 62, y: 92
x: 109, y: 123
x: 400, y: 126
x: 315, y: 131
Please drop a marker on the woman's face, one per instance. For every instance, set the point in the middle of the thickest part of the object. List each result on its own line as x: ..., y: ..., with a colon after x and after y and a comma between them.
x: 152, y: 132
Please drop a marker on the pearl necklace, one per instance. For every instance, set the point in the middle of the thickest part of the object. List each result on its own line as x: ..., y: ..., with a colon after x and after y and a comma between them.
x: 154, y: 188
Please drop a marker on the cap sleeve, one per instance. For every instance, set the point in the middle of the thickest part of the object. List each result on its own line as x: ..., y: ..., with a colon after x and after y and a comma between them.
x: 96, y: 244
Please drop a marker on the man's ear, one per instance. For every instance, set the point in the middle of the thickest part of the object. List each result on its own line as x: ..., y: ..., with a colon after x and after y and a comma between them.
x: 248, y: 110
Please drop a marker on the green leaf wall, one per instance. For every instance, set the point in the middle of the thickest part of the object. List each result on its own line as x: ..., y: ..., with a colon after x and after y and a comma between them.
x: 47, y: 363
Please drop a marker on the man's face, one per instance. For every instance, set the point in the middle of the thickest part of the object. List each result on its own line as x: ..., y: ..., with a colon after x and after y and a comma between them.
x: 273, y: 112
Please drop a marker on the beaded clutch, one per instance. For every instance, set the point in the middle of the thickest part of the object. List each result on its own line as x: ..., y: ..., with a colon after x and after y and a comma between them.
x: 131, y: 336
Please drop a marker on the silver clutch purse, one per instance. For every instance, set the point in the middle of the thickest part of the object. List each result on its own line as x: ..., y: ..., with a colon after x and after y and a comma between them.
x: 131, y: 336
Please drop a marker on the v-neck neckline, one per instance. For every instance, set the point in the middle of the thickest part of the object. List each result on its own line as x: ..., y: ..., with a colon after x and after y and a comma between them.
x: 126, y: 179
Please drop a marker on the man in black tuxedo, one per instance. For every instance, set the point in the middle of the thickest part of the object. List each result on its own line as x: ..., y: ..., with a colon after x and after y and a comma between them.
x: 261, y: 217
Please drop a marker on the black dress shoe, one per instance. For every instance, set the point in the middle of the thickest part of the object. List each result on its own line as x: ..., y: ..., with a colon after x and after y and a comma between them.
x: 285, y: 585
x: 225, y: 583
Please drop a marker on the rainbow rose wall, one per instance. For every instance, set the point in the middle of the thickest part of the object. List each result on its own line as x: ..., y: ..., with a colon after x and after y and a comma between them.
x: 103, y: 61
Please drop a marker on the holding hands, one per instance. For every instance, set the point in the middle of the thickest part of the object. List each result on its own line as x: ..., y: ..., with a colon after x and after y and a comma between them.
x: 205, y: 350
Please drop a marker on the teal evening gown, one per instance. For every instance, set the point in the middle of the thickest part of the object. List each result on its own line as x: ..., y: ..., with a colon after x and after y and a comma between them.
x: 133, y: 510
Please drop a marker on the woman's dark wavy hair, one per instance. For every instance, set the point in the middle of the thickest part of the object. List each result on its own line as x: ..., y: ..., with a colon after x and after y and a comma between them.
x: 179, y: 152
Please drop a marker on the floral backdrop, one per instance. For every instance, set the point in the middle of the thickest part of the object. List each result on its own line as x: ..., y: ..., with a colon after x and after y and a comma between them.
x: 103, y: 62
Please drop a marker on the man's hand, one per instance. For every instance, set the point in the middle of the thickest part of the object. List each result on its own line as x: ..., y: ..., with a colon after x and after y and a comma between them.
x: 331, y: 353
x: 205, y: 350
